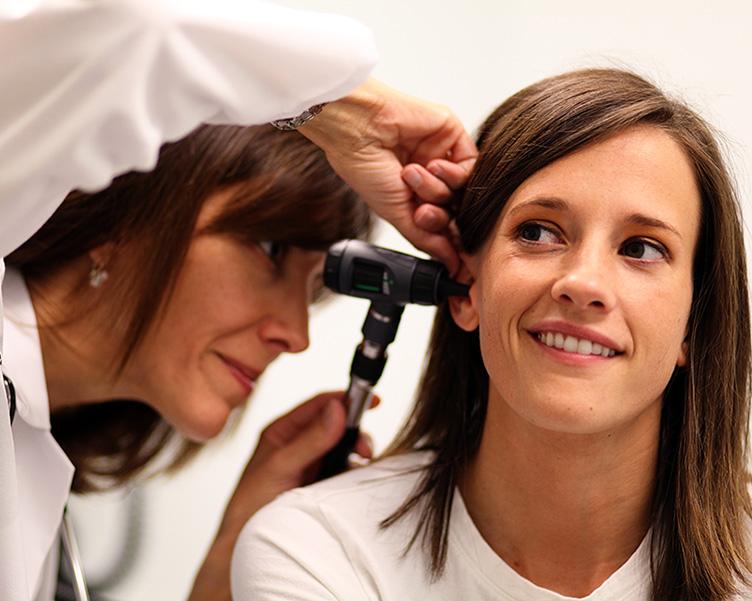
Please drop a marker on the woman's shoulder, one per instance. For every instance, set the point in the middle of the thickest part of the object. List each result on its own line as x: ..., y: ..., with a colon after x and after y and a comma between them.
x: 394, y: 472
x: 378, y: 487
x: 327, y: 536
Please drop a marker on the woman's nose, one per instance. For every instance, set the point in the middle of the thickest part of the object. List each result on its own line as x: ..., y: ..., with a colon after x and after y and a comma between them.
x: 287, y: 325
x: 587, y: 283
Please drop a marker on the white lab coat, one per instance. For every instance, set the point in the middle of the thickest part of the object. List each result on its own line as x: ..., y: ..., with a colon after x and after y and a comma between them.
x: 89, y: 89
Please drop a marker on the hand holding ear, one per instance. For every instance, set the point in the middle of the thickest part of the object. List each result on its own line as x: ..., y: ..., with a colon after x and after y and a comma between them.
x: 402, y: 155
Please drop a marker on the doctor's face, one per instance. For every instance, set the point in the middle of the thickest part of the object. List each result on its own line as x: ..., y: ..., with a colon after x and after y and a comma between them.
x: 583, y: 291
x: 235, y: 308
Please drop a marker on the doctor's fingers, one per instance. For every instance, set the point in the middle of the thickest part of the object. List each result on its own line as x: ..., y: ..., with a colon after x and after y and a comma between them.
x: 283, y: 429
x: 304, y: 434
x: 449, y: 142
x: 437, y: 182
x: 364, y: 445
x: 432, y: 218
x: 423, y: 228
x: 453, y: 174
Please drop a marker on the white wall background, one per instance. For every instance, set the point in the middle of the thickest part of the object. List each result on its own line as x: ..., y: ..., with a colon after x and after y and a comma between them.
x: 470, y: 56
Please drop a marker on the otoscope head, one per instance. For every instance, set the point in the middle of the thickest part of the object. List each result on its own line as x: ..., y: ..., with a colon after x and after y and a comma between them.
x: 360, y: 269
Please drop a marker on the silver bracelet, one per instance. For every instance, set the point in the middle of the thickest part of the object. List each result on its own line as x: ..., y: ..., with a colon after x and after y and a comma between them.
x: 292, y: 123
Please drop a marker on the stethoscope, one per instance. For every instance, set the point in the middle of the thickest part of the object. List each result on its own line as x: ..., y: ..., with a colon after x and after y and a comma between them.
x: 70, y: 546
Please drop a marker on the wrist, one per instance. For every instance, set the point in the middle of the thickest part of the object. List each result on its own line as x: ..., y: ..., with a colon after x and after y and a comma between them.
x: 347, y: 123
x: 293, y: 123
x: 212, y: 581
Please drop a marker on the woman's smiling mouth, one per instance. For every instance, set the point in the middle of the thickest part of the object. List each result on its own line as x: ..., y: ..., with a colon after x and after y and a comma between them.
x: 572, y: 342
x: 243, y: 374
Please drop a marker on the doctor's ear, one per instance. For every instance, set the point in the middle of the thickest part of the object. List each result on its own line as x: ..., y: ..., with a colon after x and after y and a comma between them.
x: 463, y: 308
x: 100, y: 257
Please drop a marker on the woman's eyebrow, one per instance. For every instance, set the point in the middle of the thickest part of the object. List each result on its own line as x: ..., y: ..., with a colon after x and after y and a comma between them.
x: 639, y: 219
x: 552, y: 202
x: 558, y: 204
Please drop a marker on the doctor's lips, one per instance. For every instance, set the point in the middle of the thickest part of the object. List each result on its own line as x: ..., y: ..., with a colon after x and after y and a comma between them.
x: 245, y: 375
x: 576, y: 340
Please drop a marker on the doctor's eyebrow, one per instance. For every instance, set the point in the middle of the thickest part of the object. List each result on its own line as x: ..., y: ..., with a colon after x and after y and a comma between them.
x: 558, y: 204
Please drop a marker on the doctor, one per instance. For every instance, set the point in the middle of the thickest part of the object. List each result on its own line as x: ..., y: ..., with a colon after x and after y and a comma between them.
x: 94, y: 89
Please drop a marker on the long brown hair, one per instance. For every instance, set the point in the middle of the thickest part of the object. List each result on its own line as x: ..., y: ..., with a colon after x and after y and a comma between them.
x: 701, y: 508
x: 282, y: 190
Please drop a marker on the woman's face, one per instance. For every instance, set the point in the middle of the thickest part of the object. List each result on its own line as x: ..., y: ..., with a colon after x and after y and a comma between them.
x: 236, y: 307
x: 583, y: 291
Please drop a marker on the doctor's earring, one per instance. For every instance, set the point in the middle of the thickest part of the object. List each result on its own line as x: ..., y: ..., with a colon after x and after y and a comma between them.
x: 98, y: 276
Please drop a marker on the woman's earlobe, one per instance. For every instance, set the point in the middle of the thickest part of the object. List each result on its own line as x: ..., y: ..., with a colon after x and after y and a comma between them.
x: 100, y: 257
x: 102, y: 254
x: 463, y: 312
x: 463, y: 308
x: 681, y: 360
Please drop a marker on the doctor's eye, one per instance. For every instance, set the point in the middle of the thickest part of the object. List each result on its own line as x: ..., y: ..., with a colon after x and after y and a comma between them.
x: 274, y: 250
x: 643, y: 250
x: 320, y: 292
x: 533, y: 232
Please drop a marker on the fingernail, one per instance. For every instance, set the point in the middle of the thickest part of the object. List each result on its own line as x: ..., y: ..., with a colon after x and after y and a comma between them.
x: 435, y: 169
x: 413, y: 178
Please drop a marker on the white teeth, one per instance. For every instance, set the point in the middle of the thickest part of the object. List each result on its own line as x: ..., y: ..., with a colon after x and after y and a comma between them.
x: 570, y: 344
x: 559, y: 340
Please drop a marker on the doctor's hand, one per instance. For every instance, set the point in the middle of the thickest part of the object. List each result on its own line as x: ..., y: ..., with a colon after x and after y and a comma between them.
x: 288, y: 455
x: 403, y: 156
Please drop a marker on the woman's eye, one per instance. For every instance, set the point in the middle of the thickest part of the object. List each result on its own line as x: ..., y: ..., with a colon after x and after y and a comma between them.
x: 643, y: 250
x: 537, y: 233
x: 273, y: 250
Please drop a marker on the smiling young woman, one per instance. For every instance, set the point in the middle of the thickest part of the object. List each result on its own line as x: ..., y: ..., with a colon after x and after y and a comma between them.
x: 580, y: 431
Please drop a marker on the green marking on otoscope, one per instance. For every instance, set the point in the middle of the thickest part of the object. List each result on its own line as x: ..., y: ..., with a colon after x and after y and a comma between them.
x: 368, y: 288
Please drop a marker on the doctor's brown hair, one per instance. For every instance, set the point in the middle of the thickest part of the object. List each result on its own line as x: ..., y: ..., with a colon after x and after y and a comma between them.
x: 701, y: 508
x: 282, y: 190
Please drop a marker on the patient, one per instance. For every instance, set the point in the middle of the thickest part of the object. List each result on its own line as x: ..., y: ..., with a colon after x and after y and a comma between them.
x: 580, y: 431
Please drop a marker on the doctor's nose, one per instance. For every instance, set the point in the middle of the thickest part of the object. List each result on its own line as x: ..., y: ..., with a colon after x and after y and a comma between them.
x: 586, y: 284
x: 287, y: 328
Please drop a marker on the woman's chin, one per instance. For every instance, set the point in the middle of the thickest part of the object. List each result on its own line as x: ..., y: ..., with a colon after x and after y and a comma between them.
x: 205, y: 424
x: 576, y: 417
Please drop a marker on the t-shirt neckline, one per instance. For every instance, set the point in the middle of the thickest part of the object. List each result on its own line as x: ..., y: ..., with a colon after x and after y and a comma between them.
x: 628, y: 582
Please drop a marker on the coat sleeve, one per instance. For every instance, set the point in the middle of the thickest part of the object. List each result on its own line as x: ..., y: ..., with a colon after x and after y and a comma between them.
x: 89, y: 90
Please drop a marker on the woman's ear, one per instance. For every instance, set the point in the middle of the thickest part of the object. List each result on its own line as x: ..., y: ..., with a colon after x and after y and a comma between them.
x: 681, y: 360
x: 463, y: 308
x: 102, y: 255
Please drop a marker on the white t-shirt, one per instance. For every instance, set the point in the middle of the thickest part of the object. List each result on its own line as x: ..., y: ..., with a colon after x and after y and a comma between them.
x: 324, y: 542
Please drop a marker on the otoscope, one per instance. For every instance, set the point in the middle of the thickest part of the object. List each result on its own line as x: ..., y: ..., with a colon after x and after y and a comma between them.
x: 390, y: 280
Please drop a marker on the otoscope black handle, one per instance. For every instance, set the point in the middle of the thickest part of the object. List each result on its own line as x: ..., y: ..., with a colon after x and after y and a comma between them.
x: 335, y: 461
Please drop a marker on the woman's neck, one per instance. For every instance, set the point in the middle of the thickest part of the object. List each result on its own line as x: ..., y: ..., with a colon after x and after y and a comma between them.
x: 75, y: 352
x: 563, y: 510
